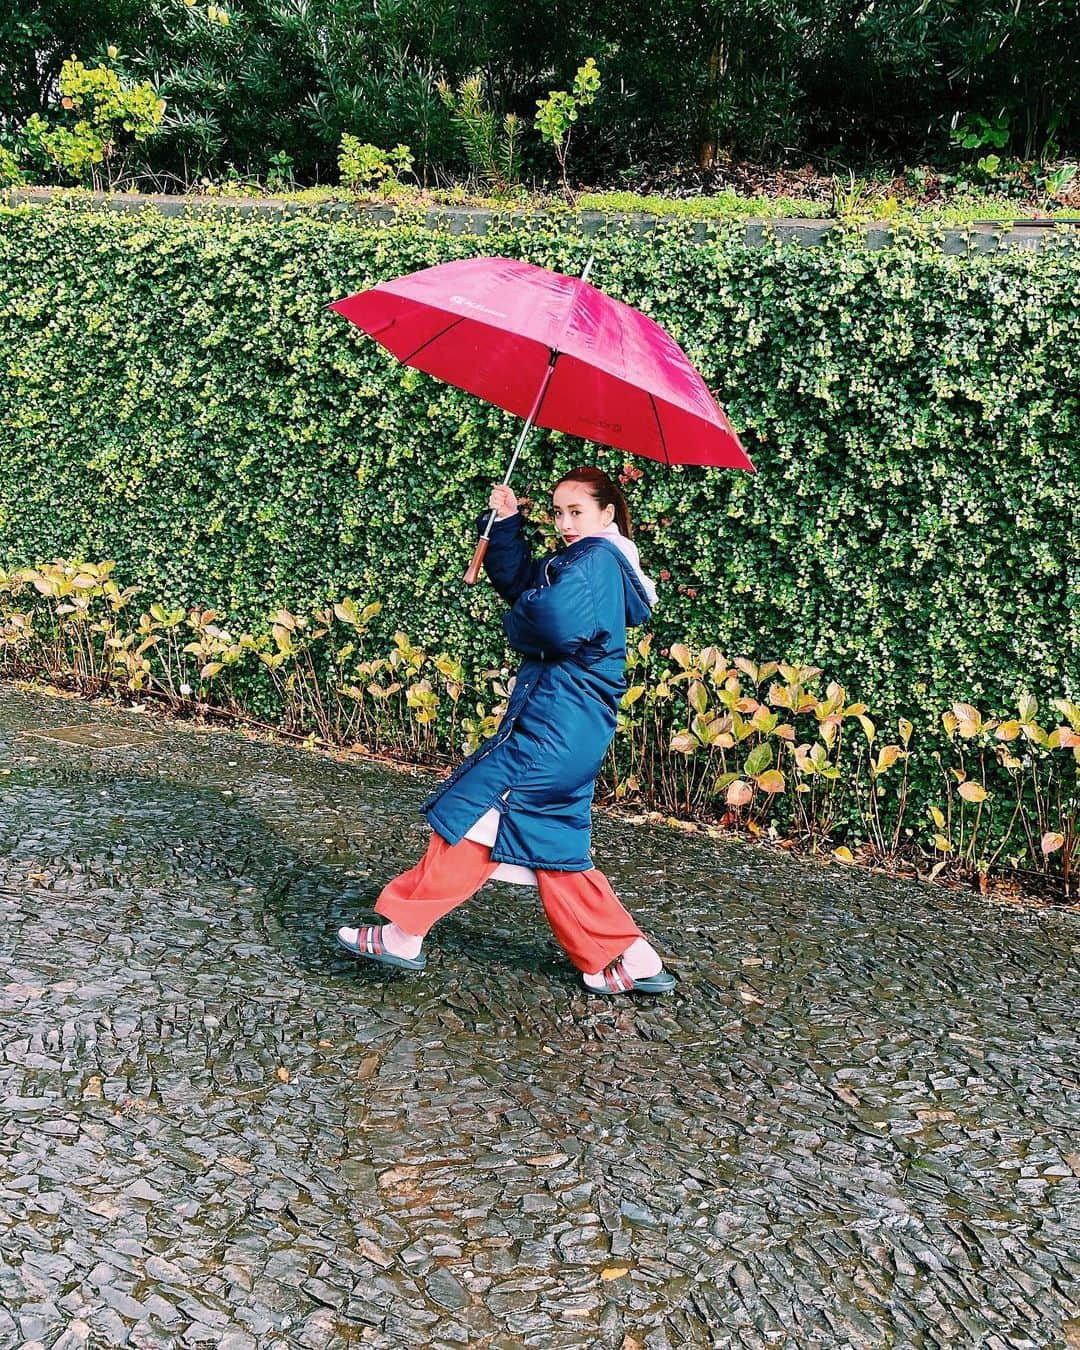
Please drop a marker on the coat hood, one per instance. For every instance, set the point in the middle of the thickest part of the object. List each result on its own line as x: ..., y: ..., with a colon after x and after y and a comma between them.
x: 639, y: 592
x: 629, y: 550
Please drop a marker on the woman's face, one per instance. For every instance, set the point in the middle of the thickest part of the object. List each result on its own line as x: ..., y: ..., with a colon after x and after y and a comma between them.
x: 577, y: 512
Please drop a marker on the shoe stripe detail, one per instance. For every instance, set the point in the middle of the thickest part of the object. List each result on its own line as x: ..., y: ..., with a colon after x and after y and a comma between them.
x: 617, y: 979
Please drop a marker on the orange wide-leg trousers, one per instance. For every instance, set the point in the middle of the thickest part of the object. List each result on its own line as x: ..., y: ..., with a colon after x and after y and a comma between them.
x: 586, y: 917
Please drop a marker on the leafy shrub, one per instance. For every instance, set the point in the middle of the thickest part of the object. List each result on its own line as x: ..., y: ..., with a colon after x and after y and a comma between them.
x: 108, y: 112
x: 490, y: 143
x: 758, y: 746
x: 176, y: 397
x: 557, y: 113
x: 366, y: 167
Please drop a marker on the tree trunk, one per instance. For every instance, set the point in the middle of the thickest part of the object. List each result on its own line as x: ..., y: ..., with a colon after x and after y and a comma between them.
x: 707, y: 137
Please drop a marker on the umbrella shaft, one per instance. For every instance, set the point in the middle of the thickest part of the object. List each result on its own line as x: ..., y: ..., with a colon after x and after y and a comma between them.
x: 526, y: 429
x: 532, y: 414
x: 535, y: 409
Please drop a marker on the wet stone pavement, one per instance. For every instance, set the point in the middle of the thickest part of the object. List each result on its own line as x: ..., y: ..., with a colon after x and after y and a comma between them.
x: 855, y: 1124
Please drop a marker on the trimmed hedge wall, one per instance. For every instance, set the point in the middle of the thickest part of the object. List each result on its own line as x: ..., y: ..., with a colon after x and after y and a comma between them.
x: 176, y: 396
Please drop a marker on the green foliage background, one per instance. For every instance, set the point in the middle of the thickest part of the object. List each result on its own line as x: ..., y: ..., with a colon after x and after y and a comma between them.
x: 176, y: 396
x: 839, y: 79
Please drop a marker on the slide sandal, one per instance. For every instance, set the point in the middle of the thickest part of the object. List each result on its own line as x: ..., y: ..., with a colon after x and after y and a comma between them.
x: 366, y: 941
x: 617, y: 981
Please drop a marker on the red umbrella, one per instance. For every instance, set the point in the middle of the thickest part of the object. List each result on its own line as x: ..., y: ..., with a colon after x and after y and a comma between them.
x: 555, y: 350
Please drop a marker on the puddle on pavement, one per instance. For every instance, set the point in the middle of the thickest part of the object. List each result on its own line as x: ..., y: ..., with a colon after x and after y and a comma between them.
x: 93, y: 736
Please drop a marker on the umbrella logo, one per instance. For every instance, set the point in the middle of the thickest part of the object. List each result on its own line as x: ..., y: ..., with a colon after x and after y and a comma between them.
x: 475, y: 304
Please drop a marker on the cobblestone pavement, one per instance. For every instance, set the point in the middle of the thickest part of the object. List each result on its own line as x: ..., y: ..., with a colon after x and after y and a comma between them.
x: 854, y: 1125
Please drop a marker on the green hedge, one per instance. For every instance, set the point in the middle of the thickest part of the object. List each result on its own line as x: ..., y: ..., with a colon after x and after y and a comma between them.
x: 176, y: 396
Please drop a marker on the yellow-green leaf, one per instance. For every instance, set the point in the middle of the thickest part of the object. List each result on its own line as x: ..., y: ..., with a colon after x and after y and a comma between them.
x: 759, y: 759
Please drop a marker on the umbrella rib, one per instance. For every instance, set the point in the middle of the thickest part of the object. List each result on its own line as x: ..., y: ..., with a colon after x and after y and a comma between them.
x: 427, y: 343
x: 660, y: 429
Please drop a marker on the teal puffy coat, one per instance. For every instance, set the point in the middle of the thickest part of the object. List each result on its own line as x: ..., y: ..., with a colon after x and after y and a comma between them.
x: 568, y: 619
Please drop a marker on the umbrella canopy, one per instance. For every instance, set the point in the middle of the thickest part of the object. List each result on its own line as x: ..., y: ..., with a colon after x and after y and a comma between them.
x: 490, y: 326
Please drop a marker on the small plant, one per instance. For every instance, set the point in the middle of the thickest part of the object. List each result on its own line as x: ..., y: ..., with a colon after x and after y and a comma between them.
x: 859, y: 197
x: 1055, y: 181
x: 28, y: 146
x: 230, y: 182
x: 976, y: 132
x: 279, y: 175
x: 560, y: 110
x: 107, y: 111
x: 365, y: 167
x: 491, y: 147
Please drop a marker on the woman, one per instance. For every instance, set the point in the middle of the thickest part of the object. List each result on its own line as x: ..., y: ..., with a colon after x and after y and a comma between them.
x: 520, y: 807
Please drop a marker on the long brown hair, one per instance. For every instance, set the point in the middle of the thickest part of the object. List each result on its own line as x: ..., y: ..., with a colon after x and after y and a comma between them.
x: 605, y: 492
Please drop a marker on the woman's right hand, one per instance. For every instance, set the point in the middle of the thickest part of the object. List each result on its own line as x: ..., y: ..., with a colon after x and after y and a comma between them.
x: 502, y: 501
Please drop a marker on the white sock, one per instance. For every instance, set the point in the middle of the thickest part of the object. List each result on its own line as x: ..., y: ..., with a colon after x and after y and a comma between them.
x: 640, y: 959
x: 399, y: 943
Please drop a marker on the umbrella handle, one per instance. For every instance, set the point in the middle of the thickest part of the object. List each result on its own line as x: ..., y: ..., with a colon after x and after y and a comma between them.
x: 473, y: 573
